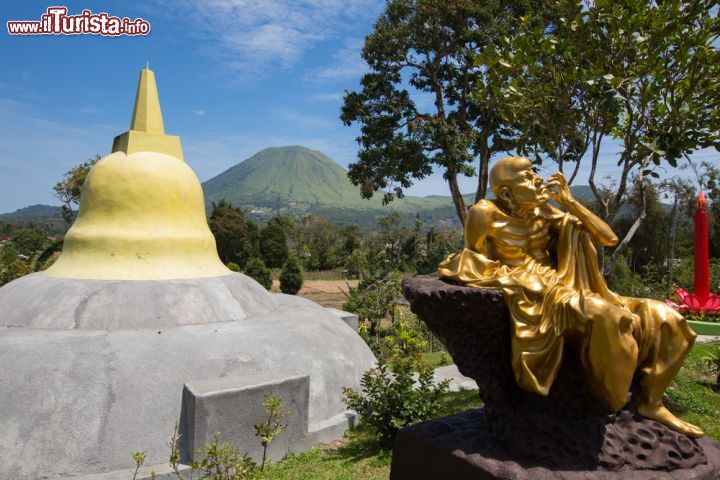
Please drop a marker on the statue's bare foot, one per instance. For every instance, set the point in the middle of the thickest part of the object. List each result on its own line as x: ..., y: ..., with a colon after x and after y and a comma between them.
x: 663, y: 415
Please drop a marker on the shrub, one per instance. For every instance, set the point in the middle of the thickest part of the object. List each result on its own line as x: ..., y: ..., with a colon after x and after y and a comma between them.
x: 233, y: 266
x: 390, y: 397
x: 373, y: 300
x: 291, y: 277
x: 257, y: 270
x: 390, y: 400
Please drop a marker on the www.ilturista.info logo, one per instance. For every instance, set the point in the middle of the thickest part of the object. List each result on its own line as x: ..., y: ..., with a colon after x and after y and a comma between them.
x: 56, y: 21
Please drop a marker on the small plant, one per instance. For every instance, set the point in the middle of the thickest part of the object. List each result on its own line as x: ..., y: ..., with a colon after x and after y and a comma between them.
x: 273, y: 424
x: 139, y: 459
x: 174, y: 445
x: 233, y: 266
x: 218, y: 461
x: 712, y: 362
x: 291, y: 277
x: 257, y: 270
x: 222, y: 461
x: 404, y: 344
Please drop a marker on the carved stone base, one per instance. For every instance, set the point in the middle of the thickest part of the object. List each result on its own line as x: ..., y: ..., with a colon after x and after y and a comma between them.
x: 567, y: 430
x: 461, y: 447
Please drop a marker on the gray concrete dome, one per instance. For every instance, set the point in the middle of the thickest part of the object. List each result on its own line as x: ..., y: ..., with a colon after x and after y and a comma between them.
x: 93, y: 370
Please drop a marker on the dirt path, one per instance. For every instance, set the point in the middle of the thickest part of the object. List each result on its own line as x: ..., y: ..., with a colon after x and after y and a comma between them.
x: 328, y: 293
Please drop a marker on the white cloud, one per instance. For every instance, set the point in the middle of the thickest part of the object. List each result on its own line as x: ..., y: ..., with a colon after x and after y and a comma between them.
x: 251, y: 37
x: 347, y: 64
x: 199, y: 113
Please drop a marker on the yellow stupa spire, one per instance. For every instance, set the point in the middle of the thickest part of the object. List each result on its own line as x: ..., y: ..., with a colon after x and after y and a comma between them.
x: 147, y: 133
x: 142, y: 211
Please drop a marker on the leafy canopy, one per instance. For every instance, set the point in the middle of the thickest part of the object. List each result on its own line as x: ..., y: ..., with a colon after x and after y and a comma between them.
x: 414, y: 105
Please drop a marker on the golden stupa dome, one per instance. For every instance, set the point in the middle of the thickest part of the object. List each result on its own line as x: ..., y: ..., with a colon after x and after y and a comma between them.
x: 142, y: 210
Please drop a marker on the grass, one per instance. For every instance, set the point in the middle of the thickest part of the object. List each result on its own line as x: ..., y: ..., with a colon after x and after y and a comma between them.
x: 357, y: 456
x: 437, y: 359
x: 694, y: 396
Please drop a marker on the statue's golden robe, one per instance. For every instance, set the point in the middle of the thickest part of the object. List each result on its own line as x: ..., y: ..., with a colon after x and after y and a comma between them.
x: 554, y: 304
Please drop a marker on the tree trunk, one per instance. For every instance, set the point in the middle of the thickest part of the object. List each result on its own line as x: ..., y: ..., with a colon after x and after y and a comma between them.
x: 625, y: 241
x: 457, y: 198
x: 483, y: 172
x: 636, y: 224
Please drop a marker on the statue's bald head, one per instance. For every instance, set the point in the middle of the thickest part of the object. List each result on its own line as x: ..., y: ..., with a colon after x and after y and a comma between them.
x: 505, y: 172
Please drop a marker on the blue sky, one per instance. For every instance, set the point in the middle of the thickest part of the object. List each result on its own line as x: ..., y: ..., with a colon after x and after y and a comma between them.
x: 234, y: 76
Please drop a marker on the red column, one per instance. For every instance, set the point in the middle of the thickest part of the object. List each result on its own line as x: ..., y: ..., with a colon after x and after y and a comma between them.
x: 702, y: 255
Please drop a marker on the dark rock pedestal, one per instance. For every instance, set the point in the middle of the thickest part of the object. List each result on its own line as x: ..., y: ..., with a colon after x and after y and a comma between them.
x: 461, y: 447
x: 567, y: 431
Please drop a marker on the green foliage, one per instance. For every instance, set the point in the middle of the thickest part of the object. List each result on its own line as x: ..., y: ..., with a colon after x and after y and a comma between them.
x: 390, y: 400
x: 139, y: 459
x: 29, y: 250
x: 437, y: 359
x: 222, y: 461
x: 232, y: 236
x: 439, y: 243
x: 431, y: 46
x: 643, y: 73
x: 233, y: 266
x: 28, y: 241
x: 273, y: 245
x: 69, y: 188
x: 257, y: 270
x: 273, y: 424
x: 12, y: 266
x: 357, y: 263
x: 323, y: 244
x: 291, y: 277
x: 694, y: 394
x: 712, y: 363
x: 403, y: 345
x: 373, y: 300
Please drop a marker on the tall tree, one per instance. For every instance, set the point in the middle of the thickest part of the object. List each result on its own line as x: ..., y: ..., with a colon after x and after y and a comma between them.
x: 273, y: 245
x: 414, y: 105
x: 68, y: 189
x: 642, y: 72
x: 232, y: 236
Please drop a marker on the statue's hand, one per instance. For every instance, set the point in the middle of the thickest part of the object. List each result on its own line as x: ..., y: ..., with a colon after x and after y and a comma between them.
x: 559, y: 189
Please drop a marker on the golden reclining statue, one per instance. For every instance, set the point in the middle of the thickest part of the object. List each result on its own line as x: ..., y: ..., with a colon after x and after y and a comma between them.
x: 544, y: 261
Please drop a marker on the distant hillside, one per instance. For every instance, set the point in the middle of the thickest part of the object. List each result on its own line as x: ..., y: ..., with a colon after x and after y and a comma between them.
x: 47, y: 217
x: 33, y: 212
x: 295, y: 179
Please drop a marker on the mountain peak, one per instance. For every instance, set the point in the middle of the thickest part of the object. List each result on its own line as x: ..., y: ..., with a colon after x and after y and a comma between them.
x: 285, y: 174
